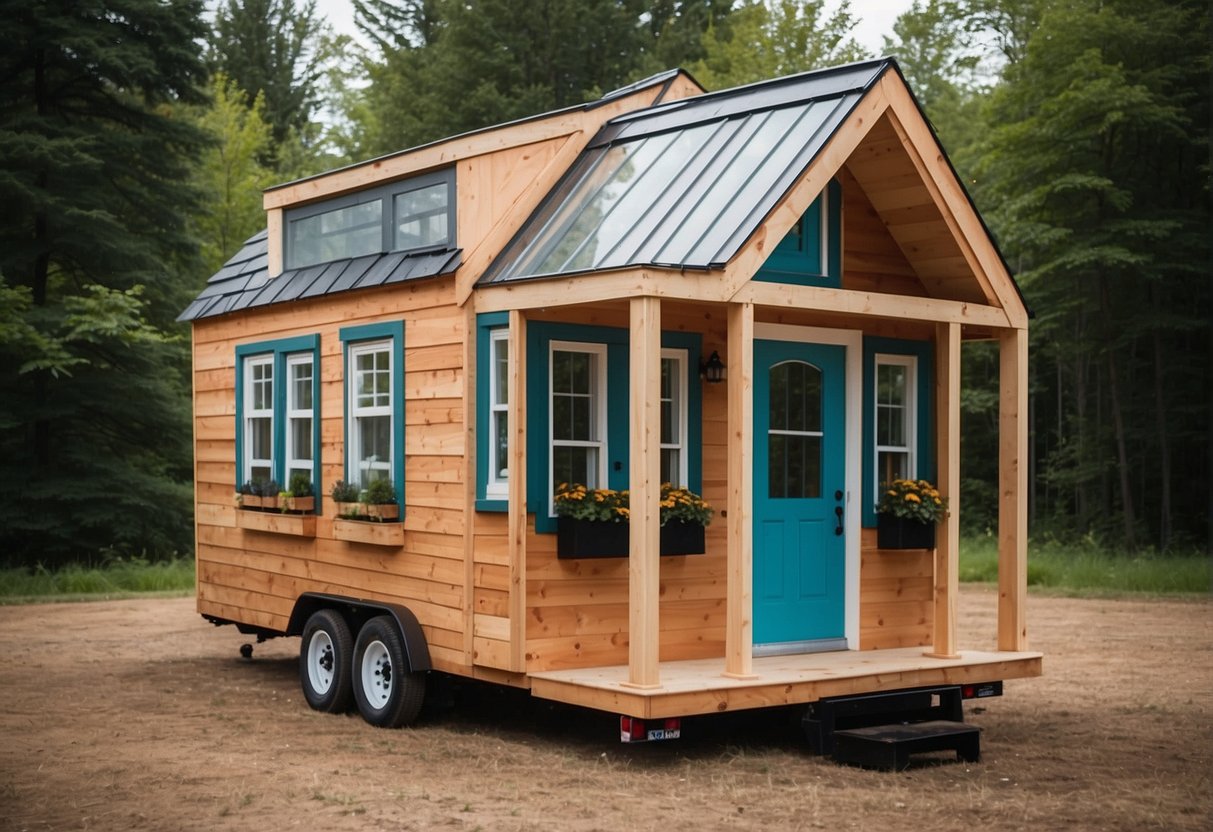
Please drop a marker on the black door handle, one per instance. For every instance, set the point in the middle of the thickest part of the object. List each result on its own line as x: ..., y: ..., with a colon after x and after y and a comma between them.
x: 838, y: 516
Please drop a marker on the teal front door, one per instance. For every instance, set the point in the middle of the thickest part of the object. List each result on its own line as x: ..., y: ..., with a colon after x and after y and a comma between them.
x: 799, y: 496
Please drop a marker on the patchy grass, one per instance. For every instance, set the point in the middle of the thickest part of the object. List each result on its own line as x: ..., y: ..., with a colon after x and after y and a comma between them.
x: 117, y: 579
x: 1089, y: 570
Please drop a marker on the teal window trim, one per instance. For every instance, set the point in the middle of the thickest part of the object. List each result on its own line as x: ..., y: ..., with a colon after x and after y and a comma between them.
x: 924, y: 351
x: 797, y: 258
x: 280, y: 349
x: 539, y: 337
x: 352, y: 336
x: 486, y: 323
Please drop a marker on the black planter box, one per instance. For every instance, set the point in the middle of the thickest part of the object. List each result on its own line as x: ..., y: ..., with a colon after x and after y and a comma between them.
x: 598, y: 539
x: 900, y: 533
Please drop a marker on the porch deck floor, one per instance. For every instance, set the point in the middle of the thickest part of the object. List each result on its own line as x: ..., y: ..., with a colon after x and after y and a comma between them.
x: 699, y: 686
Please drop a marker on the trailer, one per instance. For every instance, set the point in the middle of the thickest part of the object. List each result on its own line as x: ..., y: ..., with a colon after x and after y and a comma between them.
x: 756, y: 296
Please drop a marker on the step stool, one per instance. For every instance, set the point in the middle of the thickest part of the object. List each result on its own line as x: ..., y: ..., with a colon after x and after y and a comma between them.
x: 890, y: 746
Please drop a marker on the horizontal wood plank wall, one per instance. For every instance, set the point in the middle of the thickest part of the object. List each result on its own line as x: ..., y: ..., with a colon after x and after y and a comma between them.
x: 895, y: 596
x: 255, y: 576
x: 577, y: 610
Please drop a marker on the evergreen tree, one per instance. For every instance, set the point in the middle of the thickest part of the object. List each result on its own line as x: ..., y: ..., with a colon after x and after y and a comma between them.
x: 770, y: 38
x: 1094, y: 172
x: 272, y: 48
x: 94, y: 429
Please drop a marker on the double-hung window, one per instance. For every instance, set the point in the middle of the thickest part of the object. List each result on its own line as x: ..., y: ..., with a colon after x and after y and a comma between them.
x: 674, y: 417
x: 258, y: 457
x: 374, y: 404
x: 498, y: 479
x: 278, y: 426
x: 896, y: 386
x: 578, y: 413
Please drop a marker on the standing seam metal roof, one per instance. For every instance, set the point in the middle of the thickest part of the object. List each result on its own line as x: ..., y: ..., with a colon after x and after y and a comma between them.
x: 684, y: 184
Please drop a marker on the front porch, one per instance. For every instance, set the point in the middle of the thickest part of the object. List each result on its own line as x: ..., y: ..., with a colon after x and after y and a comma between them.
x: 700, y: 687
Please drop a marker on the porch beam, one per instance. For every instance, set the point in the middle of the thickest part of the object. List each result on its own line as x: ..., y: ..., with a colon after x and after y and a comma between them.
x: 947, y: 441
x: 739, y: 613
x: 870, y: 304
x: 1013, y: 490
x: 516, y: 519
x: 644, y: 563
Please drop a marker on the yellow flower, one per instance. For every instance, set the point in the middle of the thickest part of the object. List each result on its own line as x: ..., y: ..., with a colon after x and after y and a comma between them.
x: 913, y: 498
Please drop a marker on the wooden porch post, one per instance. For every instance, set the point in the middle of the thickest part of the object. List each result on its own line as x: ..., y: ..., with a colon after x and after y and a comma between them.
x: 1013, y: 489
x: 644, y: 562
x: 739, y: 617
x: 947, y: 433
x: 516, y: 391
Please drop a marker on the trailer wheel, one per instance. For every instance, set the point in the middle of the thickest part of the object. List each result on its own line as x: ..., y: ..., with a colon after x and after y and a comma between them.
x: 388, y: 693
x: 324, y: 662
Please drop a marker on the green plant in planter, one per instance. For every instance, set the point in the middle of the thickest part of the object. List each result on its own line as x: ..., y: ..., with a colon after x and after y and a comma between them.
x: 380, y: 499
x: 301, y: 485
x: 345, y: 496
x: 915, y: 500
x: 299, y: 496
x: 681, y: 505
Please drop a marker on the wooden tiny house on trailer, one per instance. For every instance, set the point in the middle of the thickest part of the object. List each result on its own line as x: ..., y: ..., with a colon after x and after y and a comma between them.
x: 483, y: 318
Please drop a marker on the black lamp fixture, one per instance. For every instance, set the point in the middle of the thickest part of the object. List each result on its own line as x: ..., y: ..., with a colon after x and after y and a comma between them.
x: 712, y: 370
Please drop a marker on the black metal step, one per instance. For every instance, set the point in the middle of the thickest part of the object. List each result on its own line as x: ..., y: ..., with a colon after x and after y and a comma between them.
x: 832, y: 714
x: 890, y: 746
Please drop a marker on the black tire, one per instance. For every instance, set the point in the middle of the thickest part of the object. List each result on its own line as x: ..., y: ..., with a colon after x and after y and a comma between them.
x: 325, y: 662
x: 388, y: 693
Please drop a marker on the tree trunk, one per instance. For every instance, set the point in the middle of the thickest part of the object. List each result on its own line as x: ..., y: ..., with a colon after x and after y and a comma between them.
x: 1118, y: 422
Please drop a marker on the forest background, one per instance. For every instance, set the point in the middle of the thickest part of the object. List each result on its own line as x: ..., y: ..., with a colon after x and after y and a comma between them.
x: 136, y: 136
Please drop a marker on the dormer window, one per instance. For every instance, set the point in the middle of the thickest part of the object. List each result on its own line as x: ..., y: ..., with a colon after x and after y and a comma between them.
x: 415, y: 214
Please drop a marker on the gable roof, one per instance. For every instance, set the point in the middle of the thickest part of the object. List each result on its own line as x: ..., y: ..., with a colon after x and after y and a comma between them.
x: 686, y: 183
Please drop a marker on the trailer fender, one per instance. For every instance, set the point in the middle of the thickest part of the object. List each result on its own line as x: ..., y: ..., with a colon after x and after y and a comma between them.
x: 358, y: 611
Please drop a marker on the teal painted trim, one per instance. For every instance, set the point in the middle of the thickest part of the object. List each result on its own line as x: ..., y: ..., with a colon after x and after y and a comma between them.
x: 925, y: 416
x: 798, y: 260
x: 539, y: 336
x: 834, y: 235
x: 280, y: 349
x: 486, y: 322
x: 393, y: 330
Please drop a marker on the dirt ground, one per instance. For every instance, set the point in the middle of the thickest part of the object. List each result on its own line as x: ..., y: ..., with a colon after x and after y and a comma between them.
x: 139, y: 715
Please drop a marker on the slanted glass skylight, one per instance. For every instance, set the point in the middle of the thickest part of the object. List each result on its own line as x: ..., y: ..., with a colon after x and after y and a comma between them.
x: 685, y: 197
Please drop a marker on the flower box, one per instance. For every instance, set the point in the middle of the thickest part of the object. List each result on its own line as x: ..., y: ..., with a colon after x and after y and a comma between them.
x: 383, y: 511
x: 353, y: 509
x: 300, y: 525
x: 601, y: 539
x: 299, y: 504
x: 902, y: 533
x: 362, y: 531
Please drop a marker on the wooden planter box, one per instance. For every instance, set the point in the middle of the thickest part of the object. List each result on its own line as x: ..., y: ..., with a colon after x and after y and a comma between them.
x: 383, y: 511
x: 300, y: 504
x: 900, y: 533
x: 361, y: 531
x: 302, y: 525
x: 598, y: 539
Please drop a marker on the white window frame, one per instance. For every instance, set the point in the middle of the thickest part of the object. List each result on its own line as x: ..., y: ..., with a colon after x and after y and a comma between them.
x: 598, y: 392
x: 910, y: 362
x: 497, y: 484
x: 251, y: 413
x: 682, y: 362
x: 294, y: 412
x: 354, y: 454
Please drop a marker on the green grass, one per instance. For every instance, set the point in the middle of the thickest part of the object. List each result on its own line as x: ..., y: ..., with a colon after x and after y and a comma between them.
x: 1089, y: 570
x: 117, y: 579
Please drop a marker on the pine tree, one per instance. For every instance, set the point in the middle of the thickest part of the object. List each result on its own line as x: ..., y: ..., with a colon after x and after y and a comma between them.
x: 94, y: 430
x: 271, y: 48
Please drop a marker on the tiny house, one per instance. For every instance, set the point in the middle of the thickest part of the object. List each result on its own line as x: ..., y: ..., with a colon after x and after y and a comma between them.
x: 758, y: 295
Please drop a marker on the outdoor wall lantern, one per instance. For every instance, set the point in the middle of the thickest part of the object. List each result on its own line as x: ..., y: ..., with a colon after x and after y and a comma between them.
x: 712, y: 370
